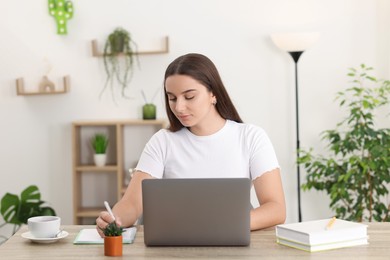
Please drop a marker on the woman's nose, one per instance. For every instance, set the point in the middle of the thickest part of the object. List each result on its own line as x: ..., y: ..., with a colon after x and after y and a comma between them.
x: 180, y: 105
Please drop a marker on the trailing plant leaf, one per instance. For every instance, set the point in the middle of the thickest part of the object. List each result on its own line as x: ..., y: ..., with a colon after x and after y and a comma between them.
x: 356, y: 173
x: 120, y: 53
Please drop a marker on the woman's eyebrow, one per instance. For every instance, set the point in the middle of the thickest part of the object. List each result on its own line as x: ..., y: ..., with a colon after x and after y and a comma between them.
x: 184, y: 92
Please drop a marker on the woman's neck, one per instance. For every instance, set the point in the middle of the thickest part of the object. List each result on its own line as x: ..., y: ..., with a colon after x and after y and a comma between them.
x: 208, y: 127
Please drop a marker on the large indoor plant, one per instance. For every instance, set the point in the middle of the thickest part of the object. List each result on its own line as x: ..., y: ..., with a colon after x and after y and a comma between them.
x: 119, y: 56
x: 17, y: 210
x: 356, y: 171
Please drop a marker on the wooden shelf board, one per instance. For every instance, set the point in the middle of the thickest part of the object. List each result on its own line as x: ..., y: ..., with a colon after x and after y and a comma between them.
x: 97, y: 53
x: 93, y: 168
x: 21, y: 92
x: 89, y: 212
x: 120, y: 122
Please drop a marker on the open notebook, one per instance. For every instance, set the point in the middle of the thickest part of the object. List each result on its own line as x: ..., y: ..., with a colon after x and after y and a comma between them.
x: 91, y: 236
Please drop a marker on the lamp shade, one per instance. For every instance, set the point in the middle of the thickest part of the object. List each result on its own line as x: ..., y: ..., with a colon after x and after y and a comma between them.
x: 292, y: 42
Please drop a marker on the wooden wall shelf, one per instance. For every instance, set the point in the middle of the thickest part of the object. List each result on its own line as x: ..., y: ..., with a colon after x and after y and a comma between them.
x: 21, y: 92
x: 97, y: 53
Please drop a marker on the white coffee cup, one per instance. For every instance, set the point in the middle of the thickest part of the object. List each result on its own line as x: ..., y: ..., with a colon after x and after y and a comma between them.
x: 44, y: 226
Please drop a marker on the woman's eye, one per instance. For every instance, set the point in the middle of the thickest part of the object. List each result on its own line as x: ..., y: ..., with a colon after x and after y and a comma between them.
x: 188, y: 98
x: 171, y: 98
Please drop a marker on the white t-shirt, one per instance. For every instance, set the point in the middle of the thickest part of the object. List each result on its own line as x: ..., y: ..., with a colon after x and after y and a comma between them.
x: 236, y: 151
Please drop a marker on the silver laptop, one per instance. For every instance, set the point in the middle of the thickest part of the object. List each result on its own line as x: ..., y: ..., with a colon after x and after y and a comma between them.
x: 196, y: 212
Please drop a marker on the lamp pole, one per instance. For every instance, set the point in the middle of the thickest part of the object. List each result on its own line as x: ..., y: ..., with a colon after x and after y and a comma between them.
x: 295, y: 44
x: 296, y: 55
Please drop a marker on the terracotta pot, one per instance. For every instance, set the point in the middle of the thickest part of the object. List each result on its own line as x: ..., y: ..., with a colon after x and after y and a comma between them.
x: 113, y: 246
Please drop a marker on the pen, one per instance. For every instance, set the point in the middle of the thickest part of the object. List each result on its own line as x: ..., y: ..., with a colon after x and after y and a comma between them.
x: 109, y: 209
x: 330, y: 223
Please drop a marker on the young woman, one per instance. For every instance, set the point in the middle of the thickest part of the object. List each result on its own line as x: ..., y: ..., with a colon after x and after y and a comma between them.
x: 206, y: 139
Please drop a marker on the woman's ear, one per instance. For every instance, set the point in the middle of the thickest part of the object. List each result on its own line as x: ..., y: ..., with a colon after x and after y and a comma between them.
x: 214, y: 99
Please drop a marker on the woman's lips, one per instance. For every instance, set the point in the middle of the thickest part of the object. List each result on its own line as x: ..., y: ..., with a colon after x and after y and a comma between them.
x: 183, y: 117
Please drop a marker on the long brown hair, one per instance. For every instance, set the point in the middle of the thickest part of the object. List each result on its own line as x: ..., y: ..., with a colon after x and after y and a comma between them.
x: 202, y: 69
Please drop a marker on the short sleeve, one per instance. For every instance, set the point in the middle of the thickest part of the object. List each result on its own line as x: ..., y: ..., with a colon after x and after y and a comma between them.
x: 153, y: 155
x: 262, y: 154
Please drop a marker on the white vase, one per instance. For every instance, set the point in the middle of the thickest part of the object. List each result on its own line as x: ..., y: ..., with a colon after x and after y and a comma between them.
x: 100, y: 159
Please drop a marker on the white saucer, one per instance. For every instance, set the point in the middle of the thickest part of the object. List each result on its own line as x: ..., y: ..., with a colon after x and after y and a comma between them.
x: 28, y: 235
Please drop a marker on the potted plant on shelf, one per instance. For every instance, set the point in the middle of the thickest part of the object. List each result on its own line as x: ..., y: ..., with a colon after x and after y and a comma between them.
x: 120, y: 52
x: 356, y: 171
x: 149, y: 108
x: 99, y: 144
x: 17, y: 210
x: 113, y: 240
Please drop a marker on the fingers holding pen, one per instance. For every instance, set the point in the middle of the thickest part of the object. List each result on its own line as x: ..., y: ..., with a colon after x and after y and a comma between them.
x: 103, y: 220
x: 105, y: 217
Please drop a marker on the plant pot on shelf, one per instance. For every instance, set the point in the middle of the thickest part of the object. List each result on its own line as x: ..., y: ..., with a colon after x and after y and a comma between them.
x: 117, y: 41
x: 100, y: 159
x: 149, y: 111
x: 99, y: 144
x: 113, y: 246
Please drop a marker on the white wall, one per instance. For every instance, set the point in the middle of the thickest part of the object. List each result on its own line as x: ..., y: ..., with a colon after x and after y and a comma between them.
x: 36, y: 131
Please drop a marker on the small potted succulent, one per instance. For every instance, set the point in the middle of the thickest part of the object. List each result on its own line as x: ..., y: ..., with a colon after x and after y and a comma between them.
x: 99, y: 144
x: 113, y: 240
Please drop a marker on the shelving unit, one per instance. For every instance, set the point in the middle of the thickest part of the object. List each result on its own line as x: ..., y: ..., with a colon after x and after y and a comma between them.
x: 21, y: 92
x: 164, y: 50
x: 91, y: 184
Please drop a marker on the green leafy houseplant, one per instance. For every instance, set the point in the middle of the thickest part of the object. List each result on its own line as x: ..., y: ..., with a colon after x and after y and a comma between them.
x: 99, y: 143
x: 119, y: 57
x: 17, y: 210
x: 356, y: 173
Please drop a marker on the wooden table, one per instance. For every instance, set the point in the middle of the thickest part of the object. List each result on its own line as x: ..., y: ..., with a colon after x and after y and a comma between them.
x: 263, y: 246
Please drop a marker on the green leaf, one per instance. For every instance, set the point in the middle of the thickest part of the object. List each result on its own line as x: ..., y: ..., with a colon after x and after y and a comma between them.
x: 9, y: 208
x: 31, y: 195
x: 47, y: 211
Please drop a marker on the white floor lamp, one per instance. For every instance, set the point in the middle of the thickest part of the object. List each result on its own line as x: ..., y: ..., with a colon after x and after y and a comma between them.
x: 295, y: 44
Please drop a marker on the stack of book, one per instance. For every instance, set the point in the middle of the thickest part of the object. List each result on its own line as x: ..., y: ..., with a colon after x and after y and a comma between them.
x: 322, y: 234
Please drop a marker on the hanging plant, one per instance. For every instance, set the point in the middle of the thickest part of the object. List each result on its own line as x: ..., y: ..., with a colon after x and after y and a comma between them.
x: 120, y: 53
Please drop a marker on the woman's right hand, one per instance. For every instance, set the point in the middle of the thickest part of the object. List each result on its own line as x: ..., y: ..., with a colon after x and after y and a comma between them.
x: 103, y: 220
